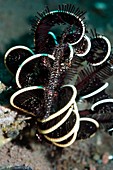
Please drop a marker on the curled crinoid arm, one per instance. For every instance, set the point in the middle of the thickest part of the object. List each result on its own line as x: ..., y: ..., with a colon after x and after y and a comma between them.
x: 99, y: 102
x: 15, y: 56
x: 61, y: 126
x: 102, y: 110
x: 84, y: 73
x: 99, y: 66
x: 64, y: 126
x: 82, y: 48
x: 88, y: 128
x: 35, y: 70
x: 89, y: 72
x: 94, y: 91
x: 93, y: 87
x: 91, y: 93
x: 63, y: 16
x: 29, y: 100
x: 100, y: 50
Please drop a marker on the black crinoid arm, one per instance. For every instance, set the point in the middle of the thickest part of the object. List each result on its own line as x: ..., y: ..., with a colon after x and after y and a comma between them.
x: 63, y: 81
x: 92, y: 83
x: 55, y: 21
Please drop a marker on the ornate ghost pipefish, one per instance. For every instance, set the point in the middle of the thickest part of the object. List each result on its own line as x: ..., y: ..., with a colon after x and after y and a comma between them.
x: 56, y: 75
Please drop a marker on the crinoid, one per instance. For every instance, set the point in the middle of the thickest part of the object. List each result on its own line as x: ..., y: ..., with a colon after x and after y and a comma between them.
x: 46, y: 21
x: 62, y: 83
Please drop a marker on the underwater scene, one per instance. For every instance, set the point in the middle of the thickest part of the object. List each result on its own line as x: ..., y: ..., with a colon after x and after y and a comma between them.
x: 56, y: 85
